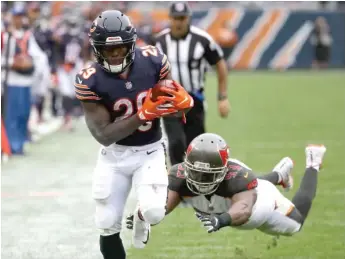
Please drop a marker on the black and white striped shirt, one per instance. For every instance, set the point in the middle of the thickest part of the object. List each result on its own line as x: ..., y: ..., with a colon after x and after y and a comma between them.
x: 189, y: 56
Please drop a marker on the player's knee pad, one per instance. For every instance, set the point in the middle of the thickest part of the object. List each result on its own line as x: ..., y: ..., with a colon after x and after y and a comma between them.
x: 152, y: 202
x: 153, y: 215
x: 106, y: 220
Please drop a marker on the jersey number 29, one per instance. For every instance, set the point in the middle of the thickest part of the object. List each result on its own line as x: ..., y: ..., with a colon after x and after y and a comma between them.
x: 149, y: 51
x: 127, y: 104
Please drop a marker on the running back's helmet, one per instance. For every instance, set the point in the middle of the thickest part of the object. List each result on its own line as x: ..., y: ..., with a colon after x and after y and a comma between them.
x: 113, y: 29
x: 206, y: 163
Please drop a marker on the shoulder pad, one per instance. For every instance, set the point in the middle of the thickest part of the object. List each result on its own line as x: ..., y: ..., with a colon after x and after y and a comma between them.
x: 239, y: 181
x: 177, y: 171
x: 84, y: 85
x: 239, y: 178
x: 159, y: 60
x: 176, y: 177
x: 237, y: 165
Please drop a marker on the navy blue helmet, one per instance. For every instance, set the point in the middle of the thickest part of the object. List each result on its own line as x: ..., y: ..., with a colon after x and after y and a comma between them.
x: 113, y: 37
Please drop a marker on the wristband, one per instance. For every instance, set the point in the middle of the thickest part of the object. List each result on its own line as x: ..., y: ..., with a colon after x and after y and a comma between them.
x: 224, y: 220
x: 222, y: 97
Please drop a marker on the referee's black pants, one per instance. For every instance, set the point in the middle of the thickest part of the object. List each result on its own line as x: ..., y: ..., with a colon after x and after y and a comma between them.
x: 180, y: 134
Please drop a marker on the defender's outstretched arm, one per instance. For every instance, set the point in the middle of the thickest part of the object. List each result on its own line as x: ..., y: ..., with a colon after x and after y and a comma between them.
x: 173, y: 201
x: 241, y: 208
x: 238, y: 214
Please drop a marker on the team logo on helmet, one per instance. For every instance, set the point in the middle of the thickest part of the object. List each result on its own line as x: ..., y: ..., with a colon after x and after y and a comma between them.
x: 224, y: 154
x: 114, y: 39
x: 189, y: 149
x: 93, y: 26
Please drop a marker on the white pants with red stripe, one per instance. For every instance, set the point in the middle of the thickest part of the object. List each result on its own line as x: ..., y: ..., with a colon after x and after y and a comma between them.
x: 270, y: 212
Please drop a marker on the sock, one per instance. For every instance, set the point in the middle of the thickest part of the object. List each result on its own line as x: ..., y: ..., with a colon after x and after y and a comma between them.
x: 273, y: 177
x: 306, y: 192
x: 111, y: 247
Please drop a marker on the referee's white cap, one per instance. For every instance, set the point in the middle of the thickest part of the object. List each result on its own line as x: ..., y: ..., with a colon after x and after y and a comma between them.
x: 179, y: 9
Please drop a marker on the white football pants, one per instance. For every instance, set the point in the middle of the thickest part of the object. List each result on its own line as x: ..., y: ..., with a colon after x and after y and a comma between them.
x: 270, y: 212
x: 118, y: 168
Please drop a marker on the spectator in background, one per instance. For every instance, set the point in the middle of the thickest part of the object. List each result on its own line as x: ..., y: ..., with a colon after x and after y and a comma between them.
x: 70, y: 59
x: 4, y: 16
x: 43, y: 37
x: 322, y: 40
x: 89, y: 15
x: 22, y: 55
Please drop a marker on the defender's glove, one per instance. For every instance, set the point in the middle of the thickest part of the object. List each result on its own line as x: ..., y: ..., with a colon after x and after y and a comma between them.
x: 151, y: 110
x: 214, y: 222
x: 200, y: 215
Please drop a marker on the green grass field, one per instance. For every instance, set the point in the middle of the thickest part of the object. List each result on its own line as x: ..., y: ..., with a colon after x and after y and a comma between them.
x: 273, y: 115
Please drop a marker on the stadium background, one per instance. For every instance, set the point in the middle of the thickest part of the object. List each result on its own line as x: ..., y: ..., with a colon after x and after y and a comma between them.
x: 46, y: 204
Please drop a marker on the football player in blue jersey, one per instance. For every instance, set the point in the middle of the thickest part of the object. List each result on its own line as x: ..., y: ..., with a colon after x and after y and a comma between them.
x: 115, y: 92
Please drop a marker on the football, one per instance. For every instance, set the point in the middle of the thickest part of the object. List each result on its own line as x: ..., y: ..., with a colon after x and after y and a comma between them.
x: 156, y: 90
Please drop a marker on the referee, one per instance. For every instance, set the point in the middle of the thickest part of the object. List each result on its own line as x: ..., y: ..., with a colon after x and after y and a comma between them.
x: 189, y: 49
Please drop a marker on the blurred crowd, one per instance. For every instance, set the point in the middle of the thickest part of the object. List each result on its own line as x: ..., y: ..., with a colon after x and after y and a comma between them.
x: 44, y: 44
x: 41, y: 54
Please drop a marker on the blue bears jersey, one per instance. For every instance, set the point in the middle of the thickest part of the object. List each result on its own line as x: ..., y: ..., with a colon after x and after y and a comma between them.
x: 123, y: 97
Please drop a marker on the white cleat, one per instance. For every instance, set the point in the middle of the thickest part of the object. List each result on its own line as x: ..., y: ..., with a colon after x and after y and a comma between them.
x: 141, y: 231
x: 284, y: 169
x: 314, y: 156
